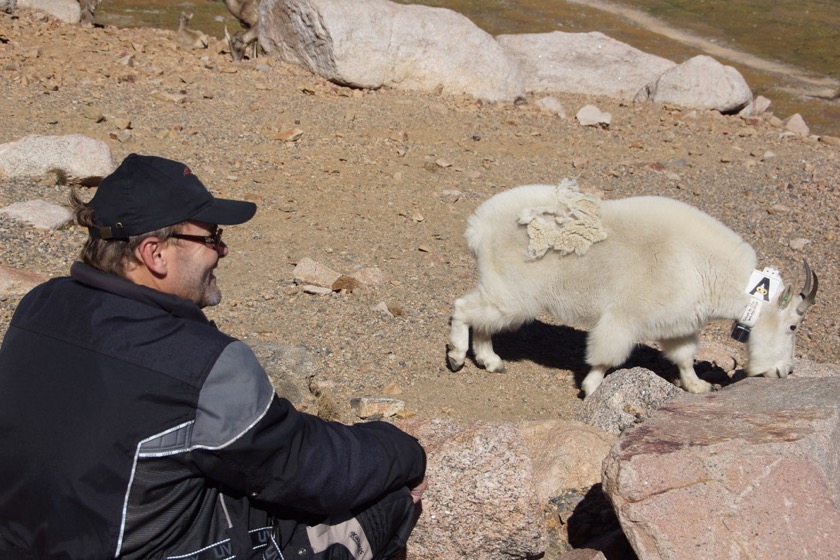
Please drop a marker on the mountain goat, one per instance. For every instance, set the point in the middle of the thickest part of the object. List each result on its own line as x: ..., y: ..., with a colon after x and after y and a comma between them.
x: 188, y: 37
x: 644, y: 268
x: 248, y: 14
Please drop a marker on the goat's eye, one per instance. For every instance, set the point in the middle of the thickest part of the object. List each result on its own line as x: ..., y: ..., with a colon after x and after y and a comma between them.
x: 792, y: 328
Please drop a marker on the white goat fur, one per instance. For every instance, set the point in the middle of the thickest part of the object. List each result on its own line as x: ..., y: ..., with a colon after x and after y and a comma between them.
x: 664, y: 270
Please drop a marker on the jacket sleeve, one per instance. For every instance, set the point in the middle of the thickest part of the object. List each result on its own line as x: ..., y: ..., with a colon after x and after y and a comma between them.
x: 256, y: 443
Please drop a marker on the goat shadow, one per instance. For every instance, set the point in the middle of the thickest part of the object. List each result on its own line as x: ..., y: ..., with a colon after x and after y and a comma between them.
x: 563, y: 347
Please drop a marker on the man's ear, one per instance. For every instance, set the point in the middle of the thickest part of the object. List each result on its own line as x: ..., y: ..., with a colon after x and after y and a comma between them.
x: 150, y: 253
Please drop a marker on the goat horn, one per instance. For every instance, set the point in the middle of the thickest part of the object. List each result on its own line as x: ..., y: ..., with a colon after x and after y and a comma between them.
x: 809, y: 292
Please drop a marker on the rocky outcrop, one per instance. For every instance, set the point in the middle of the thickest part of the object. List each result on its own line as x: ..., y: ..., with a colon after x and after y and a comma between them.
x: 700, y: 83
x: 750, y: 472
x: 376, y: 43
x: 587, y: 63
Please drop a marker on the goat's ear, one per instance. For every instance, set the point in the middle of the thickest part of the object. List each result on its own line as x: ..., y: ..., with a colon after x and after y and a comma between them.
x: 784, y: 299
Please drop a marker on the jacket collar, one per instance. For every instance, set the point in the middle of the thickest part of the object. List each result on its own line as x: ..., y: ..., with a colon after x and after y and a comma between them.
x: 177, y: 306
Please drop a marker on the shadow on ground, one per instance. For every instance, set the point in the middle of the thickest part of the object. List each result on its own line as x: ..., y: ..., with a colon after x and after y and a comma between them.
x: 562, y: 347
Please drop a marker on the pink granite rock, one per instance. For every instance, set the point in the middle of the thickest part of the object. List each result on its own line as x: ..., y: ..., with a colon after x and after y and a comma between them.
x: 750, y: 472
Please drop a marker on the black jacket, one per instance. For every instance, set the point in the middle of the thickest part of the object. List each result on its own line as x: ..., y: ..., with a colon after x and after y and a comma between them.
x: 131, y: 427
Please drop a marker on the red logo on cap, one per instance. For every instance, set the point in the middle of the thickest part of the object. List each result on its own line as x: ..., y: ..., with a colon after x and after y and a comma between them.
x: 187, y: 171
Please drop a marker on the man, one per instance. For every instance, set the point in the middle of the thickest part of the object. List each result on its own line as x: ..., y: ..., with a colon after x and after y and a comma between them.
x: 131, y: 427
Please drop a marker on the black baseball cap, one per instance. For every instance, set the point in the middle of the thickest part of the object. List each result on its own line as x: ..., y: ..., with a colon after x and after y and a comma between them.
x: 146, y: 193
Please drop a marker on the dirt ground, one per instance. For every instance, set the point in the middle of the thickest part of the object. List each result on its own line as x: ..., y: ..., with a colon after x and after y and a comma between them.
x: 387, y: 179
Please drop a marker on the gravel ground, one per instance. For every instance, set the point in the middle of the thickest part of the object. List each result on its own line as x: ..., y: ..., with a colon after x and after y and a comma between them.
x: 387, y: 179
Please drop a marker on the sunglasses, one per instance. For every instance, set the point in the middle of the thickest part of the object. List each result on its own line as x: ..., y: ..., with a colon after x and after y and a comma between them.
x: 213, y: 240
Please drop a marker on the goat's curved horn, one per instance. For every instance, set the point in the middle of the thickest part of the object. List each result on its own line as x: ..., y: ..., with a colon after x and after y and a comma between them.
x: 809, y: 292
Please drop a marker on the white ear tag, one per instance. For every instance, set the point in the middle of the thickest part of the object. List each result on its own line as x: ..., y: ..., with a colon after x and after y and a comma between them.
x: 763, y: 287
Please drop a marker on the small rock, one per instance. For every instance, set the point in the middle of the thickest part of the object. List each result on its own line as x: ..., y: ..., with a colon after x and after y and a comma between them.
x: 760, y: 105
x: 120, y: 122
x: 795, y: 123
x: 830, y: 140
x: 93, y: 114
x: 382, y: 307
x: 316, y: 290
x: 309, y: 271
x: 291, y: 135
x: 590, y: 115
x: 392, y: 389
x: 798, y: 244
x: 173, y: 97
x: 381, y: 407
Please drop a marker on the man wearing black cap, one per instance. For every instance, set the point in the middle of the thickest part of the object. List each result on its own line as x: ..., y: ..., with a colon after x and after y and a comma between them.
x: 132, y: 428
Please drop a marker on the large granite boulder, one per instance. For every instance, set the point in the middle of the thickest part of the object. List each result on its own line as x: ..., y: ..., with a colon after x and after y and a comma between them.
x: 700, y: 83
x: 588, y: 63
x: 67, y: 11
x: 376, y: 43
x: 481, y: 501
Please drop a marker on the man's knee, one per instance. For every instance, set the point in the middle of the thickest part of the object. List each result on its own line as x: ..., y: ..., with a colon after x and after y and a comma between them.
x: 376, y: 532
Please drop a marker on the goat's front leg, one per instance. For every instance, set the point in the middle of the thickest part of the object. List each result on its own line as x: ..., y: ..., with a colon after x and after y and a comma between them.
x: 593, y: 380
x: 459, y: 337
x: 681, y: 351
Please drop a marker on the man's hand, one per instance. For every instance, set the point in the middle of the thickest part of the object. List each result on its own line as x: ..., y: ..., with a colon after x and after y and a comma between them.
x: 417, y: 491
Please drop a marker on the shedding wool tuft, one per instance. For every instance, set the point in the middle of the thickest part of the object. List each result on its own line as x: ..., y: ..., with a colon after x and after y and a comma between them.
x: 573, y: 225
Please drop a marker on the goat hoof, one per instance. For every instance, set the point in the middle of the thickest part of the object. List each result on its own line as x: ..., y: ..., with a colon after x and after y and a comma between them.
x: 454, y: 365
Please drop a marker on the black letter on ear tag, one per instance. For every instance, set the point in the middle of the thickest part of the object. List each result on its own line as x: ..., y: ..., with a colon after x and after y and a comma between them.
x: 762, y: 288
